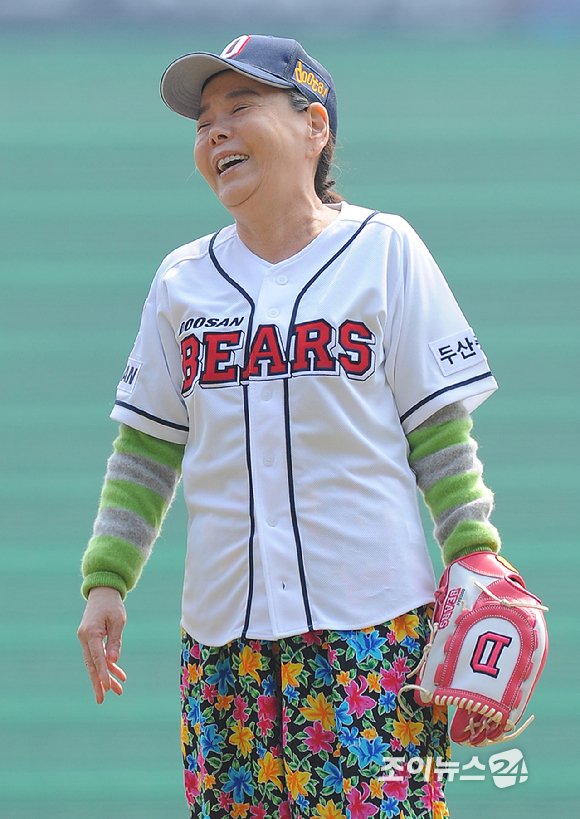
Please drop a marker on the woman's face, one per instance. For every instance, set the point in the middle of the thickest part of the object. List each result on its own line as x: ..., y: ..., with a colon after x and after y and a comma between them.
x: 251, y: 145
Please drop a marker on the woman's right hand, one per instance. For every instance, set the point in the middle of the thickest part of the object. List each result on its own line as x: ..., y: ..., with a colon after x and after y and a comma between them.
x: 100, y: 634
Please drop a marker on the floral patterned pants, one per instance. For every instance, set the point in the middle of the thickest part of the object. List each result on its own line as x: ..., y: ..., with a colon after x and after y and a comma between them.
x: 301, y: 728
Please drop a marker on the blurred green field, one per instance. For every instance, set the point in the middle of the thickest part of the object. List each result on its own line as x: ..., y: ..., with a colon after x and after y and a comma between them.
x: 477, y: 144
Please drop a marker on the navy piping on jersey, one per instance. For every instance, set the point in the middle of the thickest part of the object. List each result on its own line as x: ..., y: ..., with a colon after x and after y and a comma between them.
x: 292, y: 498
x: 291, y: 495
x: 151, y: 417
x: 293, y: 513
x: 251, y: 514
x: 252, y: 517
x: 292, y: 325
x: 240, y: 290
x: 422, y: 403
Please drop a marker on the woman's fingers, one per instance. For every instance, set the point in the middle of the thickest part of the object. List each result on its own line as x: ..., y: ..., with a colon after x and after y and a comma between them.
x: 94, y: 675
x: 103, y: 620
x: 117, y: 671
x: 116, y: 677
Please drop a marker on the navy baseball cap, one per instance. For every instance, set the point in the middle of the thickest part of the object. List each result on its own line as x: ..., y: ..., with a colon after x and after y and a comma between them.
x: 272, y: 60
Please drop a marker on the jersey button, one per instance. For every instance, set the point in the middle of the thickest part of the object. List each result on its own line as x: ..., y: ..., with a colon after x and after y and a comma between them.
x: 282, y: 279
x: 266, y: 394
x: 272, y: 521
x: 273, y: 312
x: 268, y: 460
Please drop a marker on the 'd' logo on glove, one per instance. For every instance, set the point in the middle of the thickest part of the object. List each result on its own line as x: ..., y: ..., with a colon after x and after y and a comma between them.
x: 487, y: 649
x: 497, y: 642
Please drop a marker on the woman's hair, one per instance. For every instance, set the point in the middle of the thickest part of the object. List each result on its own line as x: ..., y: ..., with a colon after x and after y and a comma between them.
x: 323, y: 182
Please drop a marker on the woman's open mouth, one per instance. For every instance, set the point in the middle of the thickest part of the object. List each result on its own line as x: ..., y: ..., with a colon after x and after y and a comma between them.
x: 227, y: 162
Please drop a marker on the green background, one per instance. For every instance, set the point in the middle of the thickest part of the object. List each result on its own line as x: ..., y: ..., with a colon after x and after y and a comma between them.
x: 476, y: 143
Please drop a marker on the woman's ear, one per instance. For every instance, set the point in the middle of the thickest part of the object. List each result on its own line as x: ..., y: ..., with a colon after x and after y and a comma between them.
x: 319, y: 128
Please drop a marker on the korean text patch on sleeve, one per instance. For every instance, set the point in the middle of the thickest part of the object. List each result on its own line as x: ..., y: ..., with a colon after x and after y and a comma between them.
x: 457, y: 352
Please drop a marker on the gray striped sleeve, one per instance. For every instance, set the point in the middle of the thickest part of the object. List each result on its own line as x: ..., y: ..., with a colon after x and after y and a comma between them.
x: 478, y: 510
x: 453, y: 460
x: 444, y: 463
x: 452, y: 412
x: 121, y: 518
x: 161, y: 479
x: 129, y: 526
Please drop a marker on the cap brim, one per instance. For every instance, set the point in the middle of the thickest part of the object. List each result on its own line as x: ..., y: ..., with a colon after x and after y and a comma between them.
x: 183, y: 81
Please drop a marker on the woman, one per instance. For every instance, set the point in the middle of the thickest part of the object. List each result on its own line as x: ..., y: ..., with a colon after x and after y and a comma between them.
x: 304, y: 369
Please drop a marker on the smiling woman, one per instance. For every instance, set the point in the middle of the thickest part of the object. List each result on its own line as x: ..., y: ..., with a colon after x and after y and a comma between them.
x: 259, y: 155
x: 336, y: 374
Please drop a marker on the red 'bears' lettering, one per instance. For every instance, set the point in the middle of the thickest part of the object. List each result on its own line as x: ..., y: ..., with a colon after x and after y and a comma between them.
x: 190, y: 350
x: 219, y: 367
x: 266, y: 358
x: 355, y: 339
x: 312, y: 343
x: 312, y: 351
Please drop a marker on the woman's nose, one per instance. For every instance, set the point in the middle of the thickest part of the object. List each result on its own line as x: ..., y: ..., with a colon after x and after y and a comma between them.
x: 218, y: 133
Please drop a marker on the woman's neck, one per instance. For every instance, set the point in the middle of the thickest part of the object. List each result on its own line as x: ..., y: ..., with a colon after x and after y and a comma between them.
x: 277, y: 234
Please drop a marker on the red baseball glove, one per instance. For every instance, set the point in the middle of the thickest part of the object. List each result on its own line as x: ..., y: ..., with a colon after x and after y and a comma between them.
x: 487, y: 649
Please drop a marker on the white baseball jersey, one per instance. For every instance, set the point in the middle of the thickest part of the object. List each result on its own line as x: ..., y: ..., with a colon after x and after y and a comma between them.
x: 292, y: 386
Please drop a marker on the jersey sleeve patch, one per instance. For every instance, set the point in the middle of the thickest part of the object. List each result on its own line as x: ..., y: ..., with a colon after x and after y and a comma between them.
x: 129, y: 377
x: 457, y: 352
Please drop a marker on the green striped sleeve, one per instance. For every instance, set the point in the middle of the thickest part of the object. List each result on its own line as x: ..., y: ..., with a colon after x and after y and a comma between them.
x: 138, y: 499
x: 134, y: 442
x: 443, y: 456
x: 455, y: 490
x: 142, y: 475
x: 111, y: 561
x: 470, y: 536
x: 427, y: 440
